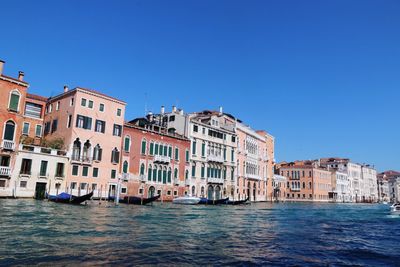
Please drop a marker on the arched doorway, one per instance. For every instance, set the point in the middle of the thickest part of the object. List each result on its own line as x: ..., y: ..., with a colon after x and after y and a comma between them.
x: 210, y: 194
x: 9, y: 131
x: 254, y: 191
x: 217, y: 192
x: 152, y: 191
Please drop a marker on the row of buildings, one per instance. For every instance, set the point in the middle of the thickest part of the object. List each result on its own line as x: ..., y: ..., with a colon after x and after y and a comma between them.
x: 80, y: 141
x: 389, y: 186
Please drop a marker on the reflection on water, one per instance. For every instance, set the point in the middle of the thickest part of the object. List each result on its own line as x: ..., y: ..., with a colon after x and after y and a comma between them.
x: 34, y: 232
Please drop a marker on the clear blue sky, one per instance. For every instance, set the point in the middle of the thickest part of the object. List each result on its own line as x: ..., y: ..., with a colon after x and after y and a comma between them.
x: 322, y: 76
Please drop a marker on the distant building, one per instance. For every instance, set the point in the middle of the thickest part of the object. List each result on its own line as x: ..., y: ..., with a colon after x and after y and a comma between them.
x: 386, y: 192
x: 154, y: 161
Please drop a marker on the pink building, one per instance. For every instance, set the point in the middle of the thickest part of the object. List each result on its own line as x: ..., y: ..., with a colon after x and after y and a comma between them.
x: 89, y: 124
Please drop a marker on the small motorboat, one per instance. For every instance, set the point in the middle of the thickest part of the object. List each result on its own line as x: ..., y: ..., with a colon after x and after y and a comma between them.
x: 68, y: 198
x: 236, y: 202
x: 395, y: 208
x: 186, y: 200
x: 133, y: 200
x: 206, y: 201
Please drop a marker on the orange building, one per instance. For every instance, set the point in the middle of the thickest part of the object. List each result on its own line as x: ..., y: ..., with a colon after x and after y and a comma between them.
x: 154, y: 161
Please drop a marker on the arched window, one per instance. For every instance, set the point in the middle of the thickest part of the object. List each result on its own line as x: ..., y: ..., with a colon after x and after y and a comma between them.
x: 149, y: 172
x: 169, y: 175
x: 203, y: 170
x: 142, y: 169
x: 152, y: 148
x: 76, y: 150
x: 127, y: 143
x: 156, y: 149
x: 13, y: 104
x: 9, y: 131
x: 86, y: 151
x: 115, y: 155
x: 159, y: 175
x: 202, y: 191
x: 165, y: 150
x: 125, y: 167
x: 155, y: 174
x: 143, y: 148
x: 170, y: 151
x: 161, y: 150
x: 176, y: 173
x: 186, y: 174
x: 304, y: 185
x: 193, y: 190
x: 97, y: 152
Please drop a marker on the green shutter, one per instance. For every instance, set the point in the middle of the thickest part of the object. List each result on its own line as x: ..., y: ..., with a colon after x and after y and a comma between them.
x: 14, y: 100
x: 149, y: 174
x: 95, y: 172
x: 169, y: 176
x: 170, y: 152
x: 151, y: 148
x: 113, y: 174
x: 125, y: 167
x: 203, y: 150
x: 75, y: 170
x: 156, y: 149
x: 85, y: 171
x: 43, y: 168
x: 202, y: 171
x: 142, y: 169
x: 187, y: 155
x: 126, y: 144
x: 144, y: 147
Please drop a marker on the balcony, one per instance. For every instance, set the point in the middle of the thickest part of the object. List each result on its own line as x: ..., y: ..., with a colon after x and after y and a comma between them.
x: 162, y: 159
x: 5, y: 171
x: 215, y: 180
x: 215, y: 158
x: 253, y: 176
x: 81, y: 160
x: 8, y: 145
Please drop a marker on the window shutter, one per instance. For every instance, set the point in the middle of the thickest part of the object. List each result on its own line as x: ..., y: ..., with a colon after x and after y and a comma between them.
x: 9, y: 132
x: 103, y: 129
x: 100, y: 152
x: 14, y: 102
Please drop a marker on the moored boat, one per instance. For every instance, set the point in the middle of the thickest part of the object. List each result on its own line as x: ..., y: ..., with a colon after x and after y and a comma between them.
x: 236, y: 202
x: 395, y: 208
x: 133, y: 200
x: 68, y: 198
x: 186, y: 200
x: 206, y: 201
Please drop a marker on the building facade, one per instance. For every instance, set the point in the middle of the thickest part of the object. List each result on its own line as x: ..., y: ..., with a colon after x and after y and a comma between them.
x: 384, y: 187
x: 89, y: 125
x: 154, y: 161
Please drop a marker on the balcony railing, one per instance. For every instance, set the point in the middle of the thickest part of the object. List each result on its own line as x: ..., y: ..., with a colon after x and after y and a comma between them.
x: 215, y: 180
x: 83, y: 160
x: 5, y: 171
x: 8, y: 145
x: 253, y: 176
x: 162, y: 159
x: 215, y: 158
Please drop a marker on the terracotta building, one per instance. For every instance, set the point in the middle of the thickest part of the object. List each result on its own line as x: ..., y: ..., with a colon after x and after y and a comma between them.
x: 155, y: 161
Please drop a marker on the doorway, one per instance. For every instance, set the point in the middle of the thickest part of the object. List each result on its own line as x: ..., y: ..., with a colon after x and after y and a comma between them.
x: 40, y: 191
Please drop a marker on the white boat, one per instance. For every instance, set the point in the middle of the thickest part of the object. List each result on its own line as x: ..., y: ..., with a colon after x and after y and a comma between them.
x: 186, y: 200
x: 395, y: 208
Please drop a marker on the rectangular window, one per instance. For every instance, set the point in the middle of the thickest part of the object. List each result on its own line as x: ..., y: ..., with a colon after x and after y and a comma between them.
x: 187, y: 155
x: 58, y: 105
x: 26, y: 166
x: 85, y: 171
x: 73, y: 185
x: 60, y: 170
x: 115, y: 156
x: 203, y: 149
x: 2, y: 183
x: 176, y: 153
x: 83, y: 102
x: 90, y: 105
x: 95, y: 172
x: 233, y: 155
x: 195, y: 128
x: 143, y: 150
x: 172, y: 118
x: 202, y: 171
x: 75, y: 170
x: 233, y: 139
x: 33, y: 110
x: 100, y: 126
x: 194, y: 148
x: 43, y: 168
x: 117, y: 130
x: 69, y: 121
x: 83, y: 186
x: 38, y: 130
x: 14, y: 102
x: 94, y: 187
x: 23, y: 184
x: 25, y: 129
x: 151, y: 148
x: 123, y: 190
x: 119, y: 112
x: 83, y: 122
x: 193, y: 171
x: 71, y: 102
x: 113, y: 174
x: 54, y: 126
x: 101, y: 107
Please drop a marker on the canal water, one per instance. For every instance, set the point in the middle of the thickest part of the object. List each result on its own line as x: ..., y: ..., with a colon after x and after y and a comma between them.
x: 288, y: 234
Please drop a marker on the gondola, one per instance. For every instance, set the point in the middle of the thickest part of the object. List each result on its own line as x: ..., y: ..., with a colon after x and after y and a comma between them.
x: 206, y: 201
x: 69, y: 199
x: 132, y: 200
x: 236, y: 202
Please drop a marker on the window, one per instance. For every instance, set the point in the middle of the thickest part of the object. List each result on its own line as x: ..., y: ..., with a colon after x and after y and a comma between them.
x: 83, y: 122
x: 38, y: 130
x: 186, y: 174
x: 115, y: 156
x: 170, y: 152
x: 25, y: 129
x: 233, y: 139
x: 113, y: 174
x: 233, y: 155
x: 176, y: 173
x: 69, y: 121
x: 71, y: 102
x: 23, y: 184
x: 202, y: 171
x: 194, y: 148
x: 83, y: 102
x: 26, y: 166
x: 33, y: 110
x: 100, y: 126
x: 187, y: 155
x: 203, y: 149
x: 204, y: 130
x: 169, y: 175
x: 9, y: 131
x: 123, y: 190
x: 3, y: 183
x: 125, y: 167
x: 60, y: 169
x: 195, y: 128
x: 143, y: 150
x: 176, y: 153
x: 14, y: 101
x: 75, y: 170
x: 142, y: 169
x: 58, y: 105
x: 50, y: 108
x: 149, y: 172
x: 95, y: 172
x: 101, y: 108
x: 152, y: 148
x: 43, y: 168
x: 172, y: 118
x: 117, y: 130
x: 90, y: 104
x: 97, y: 153
x: 54, y: 126
x: 73, y: 185
x: 85, y: 171
x: 119, y: 111
x: 156, y: 149
x: 194, y: 170
x: 83, y: 186
x: 47, y: 126
x: 94, y: 187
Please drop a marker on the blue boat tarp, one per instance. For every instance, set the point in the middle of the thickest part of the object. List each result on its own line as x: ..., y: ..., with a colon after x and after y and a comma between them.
x: 62, y: 196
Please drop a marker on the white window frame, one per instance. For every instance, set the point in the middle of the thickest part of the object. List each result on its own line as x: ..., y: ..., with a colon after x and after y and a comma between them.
x: 41, y: 130
x: 23, y: 127
x: 19, y: 100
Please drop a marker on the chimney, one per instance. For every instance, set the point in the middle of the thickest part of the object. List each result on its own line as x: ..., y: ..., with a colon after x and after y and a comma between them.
x: 21, y: 75
x: 1, y: 66
x: 174, y: 109
x: 150, y: 116
x: 221, y: 110
x: 65, y: 89
x: 162, y: 110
